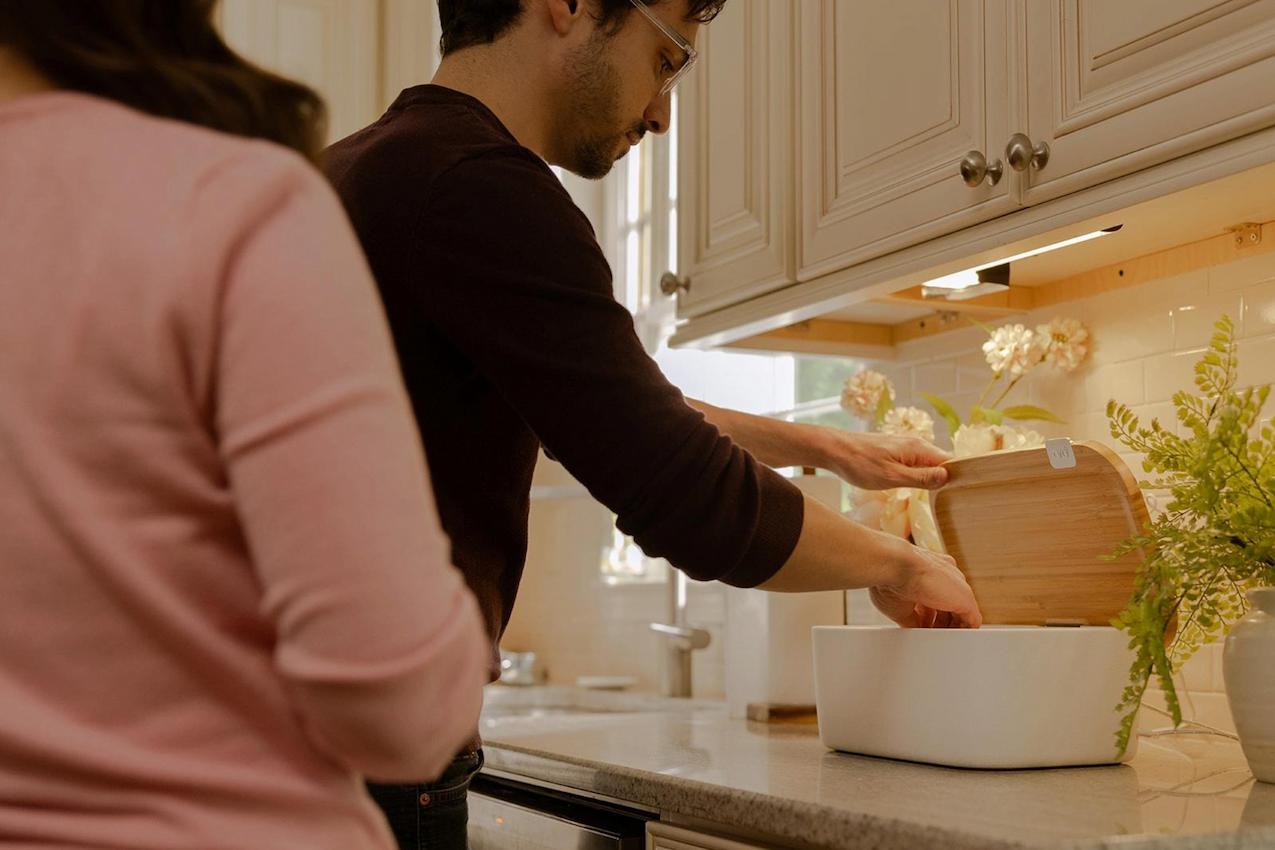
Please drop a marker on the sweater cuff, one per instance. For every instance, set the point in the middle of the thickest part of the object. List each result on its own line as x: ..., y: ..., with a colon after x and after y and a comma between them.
x: 781, y: 512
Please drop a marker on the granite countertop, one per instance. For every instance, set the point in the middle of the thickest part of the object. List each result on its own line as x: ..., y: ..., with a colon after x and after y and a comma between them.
x: 689, y: 760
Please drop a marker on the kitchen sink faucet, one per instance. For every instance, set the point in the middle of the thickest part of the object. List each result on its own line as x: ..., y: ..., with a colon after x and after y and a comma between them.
x: 679, y: 640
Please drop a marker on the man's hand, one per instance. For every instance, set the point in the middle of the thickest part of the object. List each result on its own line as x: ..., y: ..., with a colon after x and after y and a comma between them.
x: 870, y: 461
x: 930, y: 593
x: 881, y: 461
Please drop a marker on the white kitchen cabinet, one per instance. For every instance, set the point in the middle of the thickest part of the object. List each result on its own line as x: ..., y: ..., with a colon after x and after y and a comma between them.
x: 736, y: 190
x: 891, y: 98
x: 888, y: 98
x: 661, y: 836
x: 1113, y: 88
x: 357, y: 54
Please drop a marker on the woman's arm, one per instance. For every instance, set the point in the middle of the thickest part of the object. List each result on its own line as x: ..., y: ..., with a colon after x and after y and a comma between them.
x: 378, y: 638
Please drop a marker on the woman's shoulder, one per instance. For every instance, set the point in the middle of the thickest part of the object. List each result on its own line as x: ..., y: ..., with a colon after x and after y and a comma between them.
x: 173, y: 167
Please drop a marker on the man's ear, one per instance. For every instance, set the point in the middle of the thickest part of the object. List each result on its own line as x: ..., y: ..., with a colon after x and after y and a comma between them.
x: 565, y: 14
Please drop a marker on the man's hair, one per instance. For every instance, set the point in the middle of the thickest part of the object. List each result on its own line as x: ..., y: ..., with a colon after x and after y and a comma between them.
x: 466, y: 23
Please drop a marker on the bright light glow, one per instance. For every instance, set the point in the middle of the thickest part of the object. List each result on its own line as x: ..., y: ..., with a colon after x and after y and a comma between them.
x: 969, y: 277
x: 960, y: 280
x: 1075, y: 240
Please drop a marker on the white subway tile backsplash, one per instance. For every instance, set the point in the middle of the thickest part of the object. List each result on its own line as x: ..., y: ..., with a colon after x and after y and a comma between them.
x: 952, y: 344
x: 937, y: 377
x: 1168, y: 373
x: 1092, y: 426
x: 1257, y: 361
x: 1126, y: 324
x: 1193, y: 324
x: 972, y: 373
x: 1121, y: 381
x: 1258, y: 314
x: 1058, y: 393
x: 1242, y: 273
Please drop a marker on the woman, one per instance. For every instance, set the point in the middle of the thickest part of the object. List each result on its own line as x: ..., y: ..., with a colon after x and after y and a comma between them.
x: 224, y: 593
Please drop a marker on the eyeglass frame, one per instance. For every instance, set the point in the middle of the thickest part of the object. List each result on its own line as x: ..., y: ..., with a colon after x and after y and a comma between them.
x: 691, y: 53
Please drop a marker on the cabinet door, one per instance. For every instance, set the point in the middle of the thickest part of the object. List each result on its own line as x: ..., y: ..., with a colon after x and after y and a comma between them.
x: 331, y: 45
x: 892, y: 96
x: 1114, y: 87
x: 737, y: 235
x: 663, y: 837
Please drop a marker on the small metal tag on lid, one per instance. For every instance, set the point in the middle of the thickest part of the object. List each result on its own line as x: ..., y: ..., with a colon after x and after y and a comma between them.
x: 1060, y: 453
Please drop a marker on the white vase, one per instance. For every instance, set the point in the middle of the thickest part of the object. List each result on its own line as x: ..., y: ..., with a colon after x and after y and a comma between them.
x: 1248, y: 665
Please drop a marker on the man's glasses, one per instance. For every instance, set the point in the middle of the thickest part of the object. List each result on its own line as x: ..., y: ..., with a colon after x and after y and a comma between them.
x: 673, y: 77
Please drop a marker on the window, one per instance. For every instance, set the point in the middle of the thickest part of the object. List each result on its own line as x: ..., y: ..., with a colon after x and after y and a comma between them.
x: 641, y: 242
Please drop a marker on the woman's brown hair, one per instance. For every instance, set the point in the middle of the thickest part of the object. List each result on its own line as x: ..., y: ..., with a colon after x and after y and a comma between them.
x: 166, y: 58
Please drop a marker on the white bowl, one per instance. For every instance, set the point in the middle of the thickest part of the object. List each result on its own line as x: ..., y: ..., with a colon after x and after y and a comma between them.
x: 996, y: 697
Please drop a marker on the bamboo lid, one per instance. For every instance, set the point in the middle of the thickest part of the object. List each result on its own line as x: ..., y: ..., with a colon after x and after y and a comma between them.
x: 1030, y: 534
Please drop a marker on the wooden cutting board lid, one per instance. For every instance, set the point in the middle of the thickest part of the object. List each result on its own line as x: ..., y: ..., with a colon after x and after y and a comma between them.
x: 1030, y: 533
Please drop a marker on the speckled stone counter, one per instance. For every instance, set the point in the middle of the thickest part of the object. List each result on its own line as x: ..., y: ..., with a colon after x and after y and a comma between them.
x: 690, y: 762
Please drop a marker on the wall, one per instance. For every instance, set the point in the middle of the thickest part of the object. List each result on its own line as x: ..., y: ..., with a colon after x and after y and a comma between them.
x: 1146, y: 342
x: 579, y: 625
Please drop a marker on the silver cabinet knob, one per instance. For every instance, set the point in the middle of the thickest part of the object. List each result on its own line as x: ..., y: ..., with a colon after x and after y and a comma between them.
x: 670, y: 283
x: 1021, y: 154
x: 974, y: 169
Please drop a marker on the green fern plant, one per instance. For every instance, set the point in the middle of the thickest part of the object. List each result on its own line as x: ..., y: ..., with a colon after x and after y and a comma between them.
x: 1216, y: 537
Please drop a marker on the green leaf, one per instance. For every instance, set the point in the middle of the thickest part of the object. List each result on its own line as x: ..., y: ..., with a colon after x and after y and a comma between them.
x: 1030, y: 411
x: 987, y: 329
x: 986, y: 414
x: 945, y: 410
x: 884, y: 405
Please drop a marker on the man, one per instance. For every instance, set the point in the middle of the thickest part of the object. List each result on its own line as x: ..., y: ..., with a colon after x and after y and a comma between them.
x: 500, y: 302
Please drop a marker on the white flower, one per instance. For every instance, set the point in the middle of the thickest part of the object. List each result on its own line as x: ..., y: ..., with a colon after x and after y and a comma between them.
x: 1066, y: 343
x: 925, y: 530
x: 903, y: 512
x: 908, y: 422
x: 970, y: 440
x: 981, y: 439
x: 862, y: 393
x: 1019, y: 438
x: 1014, y: 349
x: 886, y: 510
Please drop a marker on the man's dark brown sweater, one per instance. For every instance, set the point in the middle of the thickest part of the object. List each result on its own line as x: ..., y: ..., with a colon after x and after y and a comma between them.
x: 501, y: 306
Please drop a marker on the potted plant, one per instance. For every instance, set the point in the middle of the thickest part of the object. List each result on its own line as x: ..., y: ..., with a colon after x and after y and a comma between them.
x: 1210, y: 550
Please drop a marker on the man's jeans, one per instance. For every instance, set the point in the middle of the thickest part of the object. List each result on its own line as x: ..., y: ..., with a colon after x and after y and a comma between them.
x: 432, y: 816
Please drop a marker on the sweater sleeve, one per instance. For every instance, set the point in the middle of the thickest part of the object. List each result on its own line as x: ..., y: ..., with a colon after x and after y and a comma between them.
x: 378, y: 638
x: 512, y: 275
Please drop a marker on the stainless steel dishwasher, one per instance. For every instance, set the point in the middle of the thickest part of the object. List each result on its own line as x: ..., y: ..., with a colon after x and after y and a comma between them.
x: 506, y: 814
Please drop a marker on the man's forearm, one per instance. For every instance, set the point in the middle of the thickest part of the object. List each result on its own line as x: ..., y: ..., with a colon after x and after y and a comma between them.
x: 772, y: 441
x: 910, y: 585
x: 836, y: 553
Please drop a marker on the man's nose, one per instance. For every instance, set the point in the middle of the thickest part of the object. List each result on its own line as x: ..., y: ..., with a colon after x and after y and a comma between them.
x: 659, y: 114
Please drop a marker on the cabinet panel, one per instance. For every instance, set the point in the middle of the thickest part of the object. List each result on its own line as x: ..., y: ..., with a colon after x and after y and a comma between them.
x: 737, y: 225
x: 661, y: 836
x: 331, y: 45
x: 891, y: 97
x: 1117, y: 87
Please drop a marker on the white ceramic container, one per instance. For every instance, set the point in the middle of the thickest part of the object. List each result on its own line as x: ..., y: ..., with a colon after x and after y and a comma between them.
x: 996, y: 697
x: 1248, y: 665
